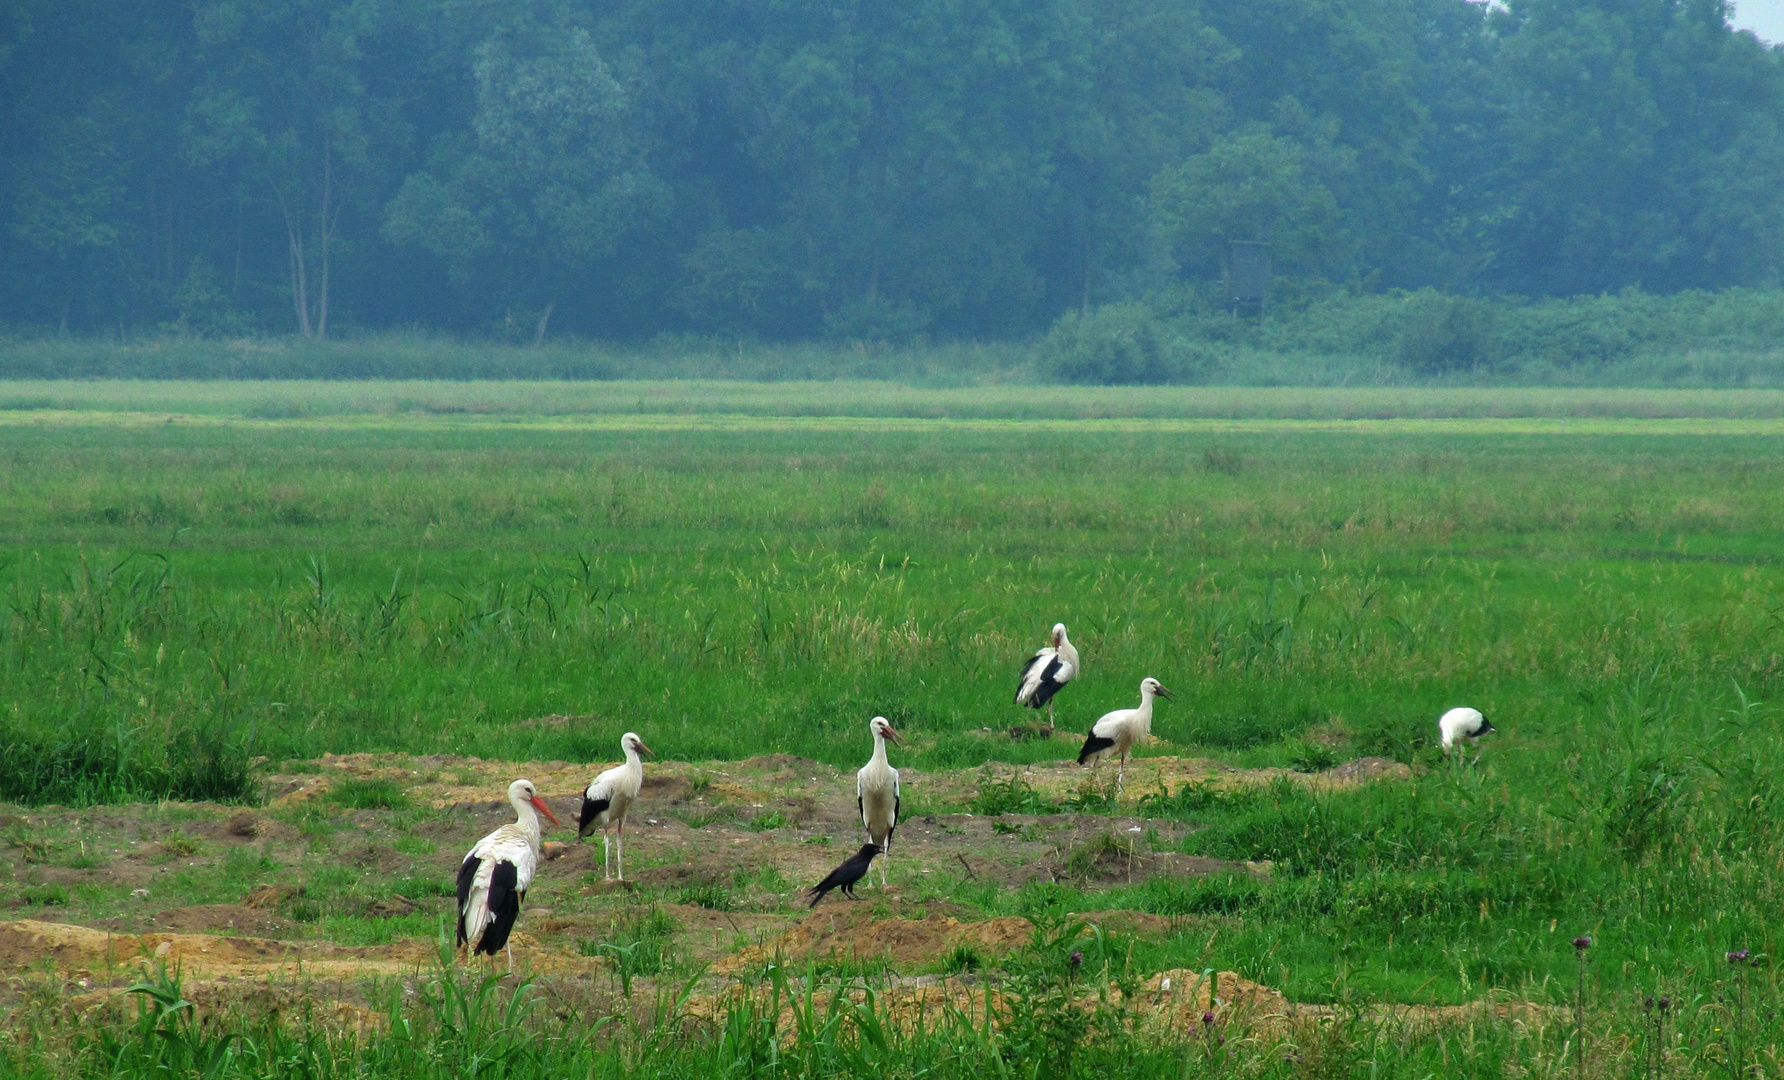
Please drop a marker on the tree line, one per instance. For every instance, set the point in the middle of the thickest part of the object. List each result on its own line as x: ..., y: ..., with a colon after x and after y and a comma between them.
x: 788, y: 170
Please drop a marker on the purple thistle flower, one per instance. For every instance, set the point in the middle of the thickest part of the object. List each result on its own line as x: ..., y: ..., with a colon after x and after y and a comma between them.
x: 1665, y: 1004
x: 1582, y: 943
x: 1739, y: 956
x: 1207, y: 1018
x: 1075, y: 959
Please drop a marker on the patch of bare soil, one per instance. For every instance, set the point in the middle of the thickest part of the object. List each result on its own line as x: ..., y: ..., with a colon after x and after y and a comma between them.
x: 852, y: 932
x: 745, y: 838
x: 217, y: 919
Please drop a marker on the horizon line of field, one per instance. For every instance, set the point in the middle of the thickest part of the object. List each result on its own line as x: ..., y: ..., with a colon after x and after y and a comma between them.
x: 747, y: 422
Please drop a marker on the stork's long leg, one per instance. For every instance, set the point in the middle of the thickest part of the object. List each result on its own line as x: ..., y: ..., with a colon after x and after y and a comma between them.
x: 621, y: 845
x: 606, y: 856
x: 511, y: 958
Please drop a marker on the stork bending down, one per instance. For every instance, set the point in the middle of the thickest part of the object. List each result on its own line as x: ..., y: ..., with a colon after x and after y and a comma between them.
x: 1047, y: 672
x: 495, y: 876
x: 876, y: 792
x: 1462, y: 723
x: 1117, y: 732
x: 608, y: 798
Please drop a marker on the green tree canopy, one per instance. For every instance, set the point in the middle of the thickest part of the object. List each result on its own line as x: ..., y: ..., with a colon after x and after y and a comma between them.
x: 790, y: 169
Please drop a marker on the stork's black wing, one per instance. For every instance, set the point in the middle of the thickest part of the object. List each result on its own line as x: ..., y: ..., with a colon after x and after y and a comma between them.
x: 1049, y: 686
x: 1093, y: 744
x: 467, y: 873
x: 504, y: 908
x: 591, y: 809
x: 1028, y: 668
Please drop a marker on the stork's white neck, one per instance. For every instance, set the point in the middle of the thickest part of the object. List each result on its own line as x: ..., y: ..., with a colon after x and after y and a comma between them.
x: 528, y: 818
x: 632, y: 760
x: 1143, y: 715
x: 879, y: 749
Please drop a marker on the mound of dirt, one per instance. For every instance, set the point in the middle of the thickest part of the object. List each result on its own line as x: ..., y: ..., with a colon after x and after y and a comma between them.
x: 87, y: 952
x: 244, y: 918
x: 1056, y: 779
x: 1136, y: 923
x: 853, y: 933
x: 1181, y: 997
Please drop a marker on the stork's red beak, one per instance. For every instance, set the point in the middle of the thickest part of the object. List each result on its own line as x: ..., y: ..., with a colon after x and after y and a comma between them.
x: 543, y: 809
x: 643, y: 749
x: 894, y: 735
x: 1166, y: 694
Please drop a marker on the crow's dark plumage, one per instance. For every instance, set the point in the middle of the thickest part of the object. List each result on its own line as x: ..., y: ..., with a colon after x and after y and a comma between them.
x: 845, y: 876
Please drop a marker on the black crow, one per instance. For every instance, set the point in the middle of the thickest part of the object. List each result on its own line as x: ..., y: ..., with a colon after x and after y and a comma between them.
x: 845, y: 876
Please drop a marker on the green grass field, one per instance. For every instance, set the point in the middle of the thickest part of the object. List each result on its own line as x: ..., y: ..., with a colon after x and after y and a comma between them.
x: 674, y: 401
x: 198, y: 575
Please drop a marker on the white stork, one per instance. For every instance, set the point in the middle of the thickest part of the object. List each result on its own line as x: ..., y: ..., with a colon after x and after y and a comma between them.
x: 1050, y: 669
x: 877, y: 793
x: 495, y: 876
x: 1117, y: 731
x: 1462, y: 723
x: 608, y: 797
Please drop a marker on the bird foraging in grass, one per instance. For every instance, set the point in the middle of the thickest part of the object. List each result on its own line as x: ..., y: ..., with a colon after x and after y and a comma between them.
x: 1118, y: 731
x: 877, y: 792
x: 1462, y: 724
x: 608, y: 798
x: 495, y: 876
x: 845, y: 876
x: 1047, y: 672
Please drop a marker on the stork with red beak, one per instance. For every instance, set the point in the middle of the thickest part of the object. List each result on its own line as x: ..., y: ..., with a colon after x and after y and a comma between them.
x: 607, y: 800
x: 495, y: 876
x: 877, y: 792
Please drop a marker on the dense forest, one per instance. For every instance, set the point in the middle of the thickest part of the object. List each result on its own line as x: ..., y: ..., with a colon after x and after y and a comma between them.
x: 779, y: 170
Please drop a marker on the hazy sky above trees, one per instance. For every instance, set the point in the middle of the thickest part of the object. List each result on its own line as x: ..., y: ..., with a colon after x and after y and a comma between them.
x: 1763, y: 17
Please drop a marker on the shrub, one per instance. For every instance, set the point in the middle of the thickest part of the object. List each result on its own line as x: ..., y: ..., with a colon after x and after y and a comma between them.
x: 1118, y: 344
x: 206, y: 763
x: 1444, y: 334
x: 1010, y: 794
x: 375, y: 793
x: 710, y: 897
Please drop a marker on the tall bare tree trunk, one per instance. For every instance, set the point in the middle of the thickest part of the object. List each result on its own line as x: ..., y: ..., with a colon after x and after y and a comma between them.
x: 235, y: 279
x: 326, y: 231
x: 544, y: 320
x: 300, y: 293
x: 1084, y: 305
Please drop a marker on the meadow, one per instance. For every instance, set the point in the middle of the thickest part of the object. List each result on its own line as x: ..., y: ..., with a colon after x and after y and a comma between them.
x: 207, y: 584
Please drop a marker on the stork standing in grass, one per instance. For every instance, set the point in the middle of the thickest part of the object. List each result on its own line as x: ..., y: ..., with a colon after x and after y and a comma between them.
x: 495, y: 876
x: 605, y: 803
x: 876, y: 792
x: 1459, y: 724
x: 1050, y: 669
x: 1117, y: 732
